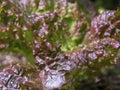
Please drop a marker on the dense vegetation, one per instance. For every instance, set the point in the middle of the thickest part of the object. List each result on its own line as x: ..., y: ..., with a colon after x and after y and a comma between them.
x: 67, y: 44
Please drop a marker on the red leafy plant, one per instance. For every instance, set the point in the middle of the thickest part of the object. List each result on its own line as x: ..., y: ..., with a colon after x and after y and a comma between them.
x: 19, y: 77
x: 64, y: 47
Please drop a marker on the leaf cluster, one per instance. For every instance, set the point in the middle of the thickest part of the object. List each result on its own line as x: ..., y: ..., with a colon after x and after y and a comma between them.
x: 57, y: 37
